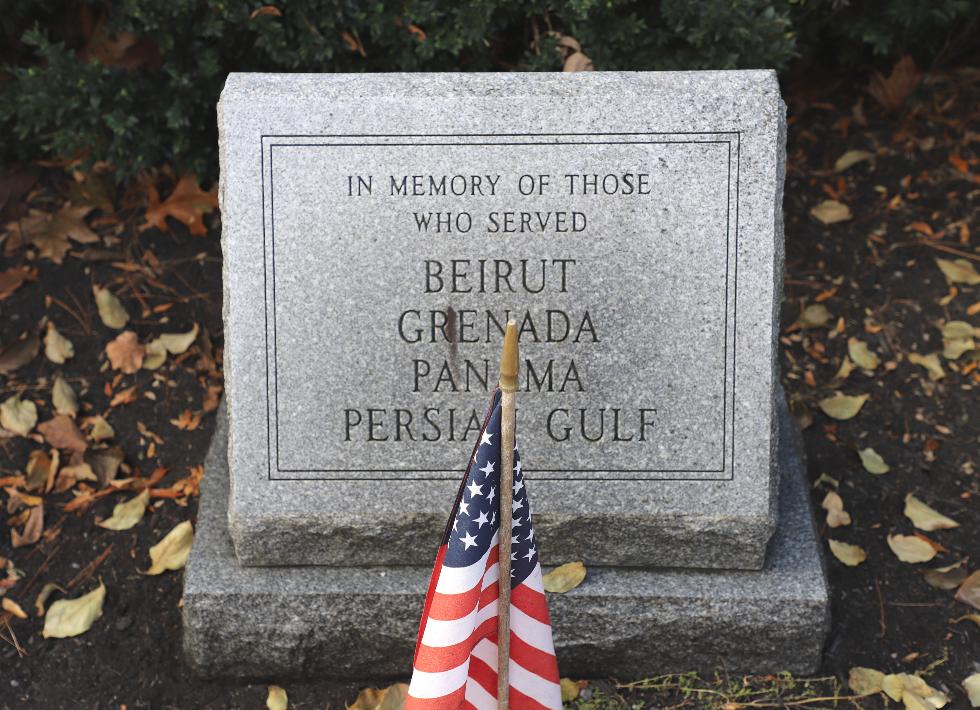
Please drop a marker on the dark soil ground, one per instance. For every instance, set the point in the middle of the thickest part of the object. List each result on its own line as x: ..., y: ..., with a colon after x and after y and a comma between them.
x: 914, y: 201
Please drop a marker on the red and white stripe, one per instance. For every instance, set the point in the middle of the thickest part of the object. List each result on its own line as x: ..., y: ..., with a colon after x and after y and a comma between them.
x: 455, y: 662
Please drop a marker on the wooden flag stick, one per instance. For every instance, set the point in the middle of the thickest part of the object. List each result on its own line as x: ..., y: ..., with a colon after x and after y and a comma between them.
x: 508, y: 412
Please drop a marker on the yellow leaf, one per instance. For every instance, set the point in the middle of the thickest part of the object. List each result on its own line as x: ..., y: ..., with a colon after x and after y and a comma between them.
x: 71, y: 617
x: 57, y: 348
x: 569, y: 690
x: 836, y: 515
x: 42, y: 597
x: 924, y: 517
x: 831, y: 212
x: 177, y: 343
x: 959, y: 271
x: 972, y: 687
x: 851, y: 157
x: 865, y: 681
x: 946, y: 578
x: 872, y: 462
x: 842, y: 406
x: 14, y: 608
x: 862, y: 355
x: 390, y: 698
x: 126, y: 515
x: 564, y: 578
x: 172, y: 551
x: 101, y: 430
x: 969, y: 591
x: 111, y: 311
x: 814, y: 316
x: 17, y: 415
x: 63, y: 397
x: 850, y: 555
x: 930, y: 362
x: 912, y: 549
x: 277, y: 699
x: 155, y: 354
x: 912, y: 691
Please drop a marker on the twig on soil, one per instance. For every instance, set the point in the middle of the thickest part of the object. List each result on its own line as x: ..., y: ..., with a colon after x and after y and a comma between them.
x: 84, y: 322
x: 88, y: 569
x: 881, y: 609
x: 938, y: 246
x: 21, y: 651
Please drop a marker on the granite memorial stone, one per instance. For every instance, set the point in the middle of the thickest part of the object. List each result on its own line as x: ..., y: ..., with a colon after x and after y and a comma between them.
x: 378, y: 232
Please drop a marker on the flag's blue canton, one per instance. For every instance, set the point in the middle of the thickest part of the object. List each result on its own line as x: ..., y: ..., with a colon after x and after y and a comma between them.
x: 476, y: 521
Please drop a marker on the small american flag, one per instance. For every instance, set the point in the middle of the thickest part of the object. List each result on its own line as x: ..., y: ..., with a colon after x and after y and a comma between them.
x: 455, y: 662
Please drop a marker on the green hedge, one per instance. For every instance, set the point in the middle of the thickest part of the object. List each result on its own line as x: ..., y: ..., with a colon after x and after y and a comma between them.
x: 135, y: 82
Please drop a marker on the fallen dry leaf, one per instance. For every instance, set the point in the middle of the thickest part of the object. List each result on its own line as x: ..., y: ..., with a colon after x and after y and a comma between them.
x: 41, y: 468
x: 971, y: 684
x: 18, y: 353
x: 814, y: 316
x: 946, y: 578
x: 32, y: 529
x: 924, y: 517
x: 570, y: 690
x: 14, y: 608
x: 155, y: 355
x: 126, y: 515
x: 277, y: 699
x: 63, y: 397
x: 105, y: 463
x: 836, y: 515
x: 912, y: 691
x: 851, y: 158
x: 850, y: 555
x: 931, y: 363
x: 390, y: 698
x: 862, y: 355
x: 959, y: 271
x: 188, y: 203
x: 865, y: 681
x: 969, y: 591
x: 42, y: 598
x: 101, y: 430
x: 831, y: 212
x: 125, y: 353
x: 57, y: 348
x: 872, y: 462
x: 842, y: 406
x: 564, y: 578
x: 111, y: 309
x: 891, y: 91
x: 12, y: 279
x: 177, y: 343
x: 172, y: 551
x: 72, y: 617
x: 61, y: 432
x: 18, y: 415
x: 911, y: 549
x: 188, y: 420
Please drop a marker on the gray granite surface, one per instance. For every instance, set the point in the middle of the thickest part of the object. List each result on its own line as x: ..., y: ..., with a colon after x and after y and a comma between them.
x: 360, y: 622
x: 358, y: 345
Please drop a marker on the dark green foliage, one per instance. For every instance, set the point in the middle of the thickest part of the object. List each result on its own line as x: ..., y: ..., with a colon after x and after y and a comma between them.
x: 61, y: 96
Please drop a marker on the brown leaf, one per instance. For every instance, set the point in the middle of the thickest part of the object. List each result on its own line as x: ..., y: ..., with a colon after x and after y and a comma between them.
x: 353, y: 42
x: 18, y: 353
x: 105, y: 463
x: 40, y: 469
x: 32, y: 529
x: 13, y: 278
x: 61, y: 432
x: 891, y: 92
x: 188, y: 203
x: 70, y: 221
x: 969, y: 591
x: 188, y: 420
x: 270, y: 10
x: 125, y: 353
x: 126, y: 396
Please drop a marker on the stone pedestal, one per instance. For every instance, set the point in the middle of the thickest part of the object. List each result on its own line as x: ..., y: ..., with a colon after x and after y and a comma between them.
x: 360, y: 622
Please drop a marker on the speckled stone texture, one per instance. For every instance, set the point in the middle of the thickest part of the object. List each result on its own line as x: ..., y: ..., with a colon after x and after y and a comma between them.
x: 358, y: 346
x: 360, y: 623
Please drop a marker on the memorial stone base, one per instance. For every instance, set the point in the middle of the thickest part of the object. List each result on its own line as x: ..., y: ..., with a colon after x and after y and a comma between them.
x: 360, y: 623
